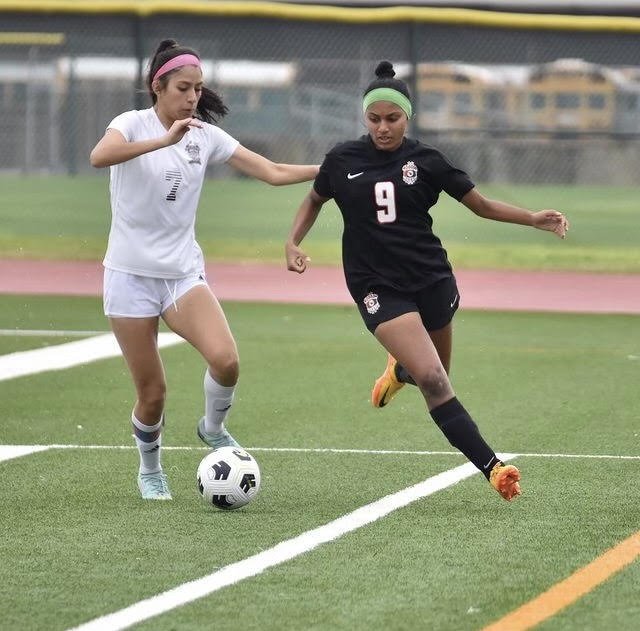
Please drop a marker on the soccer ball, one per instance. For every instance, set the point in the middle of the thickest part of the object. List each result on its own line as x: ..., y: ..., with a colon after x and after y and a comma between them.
x: 228, y: 478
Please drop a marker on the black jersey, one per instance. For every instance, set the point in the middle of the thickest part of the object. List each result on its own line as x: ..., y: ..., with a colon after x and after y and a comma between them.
x: 384, y: 198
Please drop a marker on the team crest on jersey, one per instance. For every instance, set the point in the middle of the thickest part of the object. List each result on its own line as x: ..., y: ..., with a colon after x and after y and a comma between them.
x: 410, y: 173
x: 371, y: 302
x: 193, y: 151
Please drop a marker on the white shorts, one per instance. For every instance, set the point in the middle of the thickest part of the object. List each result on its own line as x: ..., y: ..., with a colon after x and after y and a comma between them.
x: 130, y: 296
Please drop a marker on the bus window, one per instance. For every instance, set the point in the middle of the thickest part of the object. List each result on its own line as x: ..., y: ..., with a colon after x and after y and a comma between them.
x: 538, y: 101
x: 432, y: 101
x: 495, y: 100
x: 597, y: 101
x: 567, y: 100
x: 462, y: 103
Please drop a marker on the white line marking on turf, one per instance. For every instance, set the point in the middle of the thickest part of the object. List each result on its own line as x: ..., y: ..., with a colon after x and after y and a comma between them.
x: 318, y: 450
x: 324, y: 450
x: 48, y: 333
x: 284, y: 551
x: 602, y: 456
x: 67, y: 355
x: 7, y: 452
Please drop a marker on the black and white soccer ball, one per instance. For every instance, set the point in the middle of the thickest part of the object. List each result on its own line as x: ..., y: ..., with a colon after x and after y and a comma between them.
x: 228, y: 478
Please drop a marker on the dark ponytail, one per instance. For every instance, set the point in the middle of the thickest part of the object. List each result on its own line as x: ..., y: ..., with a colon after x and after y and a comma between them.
x: 210, y: 106
x: 385, y: 79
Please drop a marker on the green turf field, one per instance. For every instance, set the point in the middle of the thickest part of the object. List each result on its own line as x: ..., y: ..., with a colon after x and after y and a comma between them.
x: 77, y: 542
x: 68, y: 218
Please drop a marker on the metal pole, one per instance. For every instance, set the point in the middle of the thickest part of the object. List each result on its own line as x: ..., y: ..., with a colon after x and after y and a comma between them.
x: 72, y: 95
x: 414, y: 53
x: 138, y: 100
x: 54, y: 127
x: 30, y: 112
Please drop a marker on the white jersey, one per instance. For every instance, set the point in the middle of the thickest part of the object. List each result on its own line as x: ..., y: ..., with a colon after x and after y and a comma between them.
x: 154, y: 198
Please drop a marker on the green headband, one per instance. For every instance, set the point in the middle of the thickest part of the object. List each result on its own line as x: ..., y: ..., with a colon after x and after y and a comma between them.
x: 387, y: 94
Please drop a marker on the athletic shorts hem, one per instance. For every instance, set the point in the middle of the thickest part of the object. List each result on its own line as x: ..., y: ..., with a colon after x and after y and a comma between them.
x: 436, y: 304
x: 127, y: 315
x: 130, y: 296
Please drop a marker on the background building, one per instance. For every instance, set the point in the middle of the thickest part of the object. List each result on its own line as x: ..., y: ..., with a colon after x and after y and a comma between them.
x: 495, y: 90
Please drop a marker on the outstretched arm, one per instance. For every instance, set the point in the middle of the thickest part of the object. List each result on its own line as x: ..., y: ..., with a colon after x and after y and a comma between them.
x: 550, y: 220
x: 258, y: 166
x: 305, y: 218
x: 113, y: 148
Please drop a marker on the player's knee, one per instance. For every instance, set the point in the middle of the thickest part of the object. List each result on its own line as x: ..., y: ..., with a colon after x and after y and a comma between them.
x: 434, y: 384
x: 226, y: 367
x: 151, y: 398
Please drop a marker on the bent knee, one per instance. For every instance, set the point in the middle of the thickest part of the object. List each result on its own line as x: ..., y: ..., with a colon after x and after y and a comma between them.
x: 434, y: 383
x: 225, y: 368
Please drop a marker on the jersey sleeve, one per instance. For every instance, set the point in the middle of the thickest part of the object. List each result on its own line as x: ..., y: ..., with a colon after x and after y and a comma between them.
x: 126, y: 124
x: 452, y: 180
x: 222, y: 144
x: 322, y: 183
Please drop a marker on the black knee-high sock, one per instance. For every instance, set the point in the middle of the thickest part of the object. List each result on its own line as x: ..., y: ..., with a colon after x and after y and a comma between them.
x: 403, y: 376
x: 463, y: 434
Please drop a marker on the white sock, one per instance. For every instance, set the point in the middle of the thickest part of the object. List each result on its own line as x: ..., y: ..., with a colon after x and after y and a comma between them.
x: 149, y: 450
x: 217, y: 402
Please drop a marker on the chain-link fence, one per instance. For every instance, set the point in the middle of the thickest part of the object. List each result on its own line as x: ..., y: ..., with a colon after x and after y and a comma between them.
x: 525, y: 104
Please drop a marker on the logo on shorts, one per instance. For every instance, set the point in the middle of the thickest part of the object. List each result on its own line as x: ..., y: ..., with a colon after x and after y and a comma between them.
x: 371, y: 302
x: 193, y: 151
x: 410, y: 173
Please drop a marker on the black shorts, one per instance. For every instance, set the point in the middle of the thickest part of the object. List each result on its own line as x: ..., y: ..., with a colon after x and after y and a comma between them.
x: 436, y: 304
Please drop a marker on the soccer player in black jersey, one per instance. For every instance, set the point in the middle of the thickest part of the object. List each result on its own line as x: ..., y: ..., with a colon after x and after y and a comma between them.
x: 396, y: 268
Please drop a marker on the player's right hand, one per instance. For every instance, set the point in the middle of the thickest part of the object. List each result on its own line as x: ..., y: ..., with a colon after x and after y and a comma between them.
x: 296, y: 259
x: 180, y: 128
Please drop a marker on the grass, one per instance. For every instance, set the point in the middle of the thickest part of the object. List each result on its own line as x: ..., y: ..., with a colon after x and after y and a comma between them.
x: 68, y: 218
x: 77, y: 539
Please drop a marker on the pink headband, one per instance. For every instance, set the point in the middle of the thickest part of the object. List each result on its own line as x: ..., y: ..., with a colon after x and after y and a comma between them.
x: 177, y: 62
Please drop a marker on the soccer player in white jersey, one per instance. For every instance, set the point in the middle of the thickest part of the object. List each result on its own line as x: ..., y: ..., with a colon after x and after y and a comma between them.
x: 153, y: 265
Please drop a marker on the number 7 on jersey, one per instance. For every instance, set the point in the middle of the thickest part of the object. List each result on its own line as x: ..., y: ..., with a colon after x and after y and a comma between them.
x: 175, y: 177
x: 386, y: 200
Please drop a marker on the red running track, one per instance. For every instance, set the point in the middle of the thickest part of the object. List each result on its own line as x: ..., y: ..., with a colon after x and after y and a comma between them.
x: 479, y: 289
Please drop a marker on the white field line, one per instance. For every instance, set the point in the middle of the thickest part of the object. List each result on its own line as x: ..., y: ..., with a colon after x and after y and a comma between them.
x: 284, y: 551
x: 26, y: 449
x: 63, y: 356
x: 47, y: 333
x: 15, y: 451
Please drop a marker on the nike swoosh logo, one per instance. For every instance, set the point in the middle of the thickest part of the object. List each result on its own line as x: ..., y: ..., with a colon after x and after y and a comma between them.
x: 223, y: 409
x: 382, y: 401
x: 350, y: 176
x: 488, y: 463
x: 454, y: 301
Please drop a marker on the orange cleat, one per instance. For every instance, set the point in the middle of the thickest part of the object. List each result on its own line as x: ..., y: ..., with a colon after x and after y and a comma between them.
x: 386, y: 386
x: 504, y: 479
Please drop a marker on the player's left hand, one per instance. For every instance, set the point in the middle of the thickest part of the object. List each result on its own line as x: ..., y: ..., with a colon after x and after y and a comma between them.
x: 552, y: 221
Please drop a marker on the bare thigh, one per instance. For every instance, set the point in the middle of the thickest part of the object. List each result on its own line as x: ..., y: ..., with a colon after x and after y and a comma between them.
x: 200, y: 320
x: 138, y: 340
x: 409, y: 342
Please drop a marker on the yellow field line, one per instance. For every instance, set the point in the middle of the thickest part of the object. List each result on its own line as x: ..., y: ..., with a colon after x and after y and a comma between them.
x: 566, y: 592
